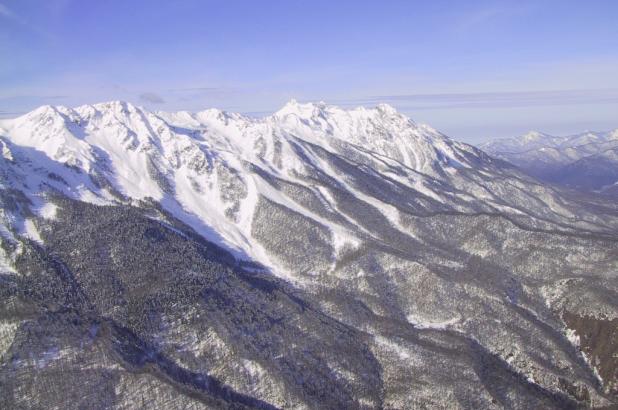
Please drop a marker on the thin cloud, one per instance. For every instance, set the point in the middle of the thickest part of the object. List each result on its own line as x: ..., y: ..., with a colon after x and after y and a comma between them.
x: 152, y: 98
x: 31, y: 97
x: 196, y: 89
x: 192, y: 94
x: 4, y: 11
x: 481, y: 16
x: 10, y: 15
x: 10, y: 114
x: 498, y: 99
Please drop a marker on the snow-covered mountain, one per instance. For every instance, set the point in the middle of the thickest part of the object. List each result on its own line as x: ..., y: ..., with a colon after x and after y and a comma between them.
x: 211, y: 168
x: 345, y: 258
x: 587, y: 161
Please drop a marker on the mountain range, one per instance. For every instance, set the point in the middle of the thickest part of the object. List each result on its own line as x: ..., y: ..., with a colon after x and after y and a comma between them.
x: 314, y: 258
x: 586, y: 162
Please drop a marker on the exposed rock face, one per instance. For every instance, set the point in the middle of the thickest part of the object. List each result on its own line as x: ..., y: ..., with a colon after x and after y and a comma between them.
x: 598, y: 339
x: 317, y: 258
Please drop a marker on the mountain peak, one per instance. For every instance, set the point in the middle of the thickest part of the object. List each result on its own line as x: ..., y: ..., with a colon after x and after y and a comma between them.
x: 533, y: 136
x: 387, y: 109
x: 44, y: 110
x: 45, y: 115
x: 303, y: 110
x: 116, y: 106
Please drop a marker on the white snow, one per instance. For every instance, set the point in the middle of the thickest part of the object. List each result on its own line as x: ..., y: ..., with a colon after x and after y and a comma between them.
x: 572, y: 336
x: 445, y: 324
x: 174, y: 158
x: 48, y: 210
x: 31, y: 232
x: 5, y: 263
x: 388, y: 344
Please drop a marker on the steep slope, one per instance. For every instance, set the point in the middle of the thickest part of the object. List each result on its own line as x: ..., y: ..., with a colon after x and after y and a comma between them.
x: 587, y: 161
x: 318, y: 258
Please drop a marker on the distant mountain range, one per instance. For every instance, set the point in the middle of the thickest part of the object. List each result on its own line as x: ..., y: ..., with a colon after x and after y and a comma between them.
x: 315, y: 258
x: 587, y: 161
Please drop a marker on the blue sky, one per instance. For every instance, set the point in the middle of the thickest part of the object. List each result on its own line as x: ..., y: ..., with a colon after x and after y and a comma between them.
x: 473, y: 69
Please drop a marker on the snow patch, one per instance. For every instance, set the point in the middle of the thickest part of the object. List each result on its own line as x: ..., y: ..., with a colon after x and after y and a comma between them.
x: 30, y: 231
x: 572, y: 336
x: 402, y: 353
x: 419, y: 324
x: 48, y: 210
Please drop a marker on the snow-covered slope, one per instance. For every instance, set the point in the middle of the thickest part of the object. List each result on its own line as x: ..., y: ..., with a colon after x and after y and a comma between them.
x: 210, y: 168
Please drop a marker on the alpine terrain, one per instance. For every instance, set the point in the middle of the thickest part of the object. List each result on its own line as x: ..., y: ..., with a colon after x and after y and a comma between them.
x: 587, y: 162
x: 317, y: 258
